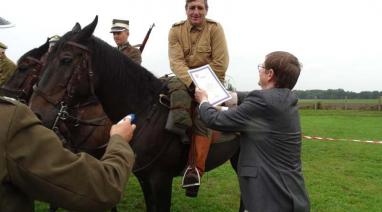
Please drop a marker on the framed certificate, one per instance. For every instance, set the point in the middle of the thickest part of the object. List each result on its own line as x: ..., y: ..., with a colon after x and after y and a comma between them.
x: 204, y: 78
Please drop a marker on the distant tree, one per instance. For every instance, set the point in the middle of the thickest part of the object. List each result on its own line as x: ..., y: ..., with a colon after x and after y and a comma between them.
x: 336, y: 94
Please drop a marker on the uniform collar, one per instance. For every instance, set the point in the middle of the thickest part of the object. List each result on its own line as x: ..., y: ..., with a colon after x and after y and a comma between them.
x: 125, y: 45
x: 197, y: 28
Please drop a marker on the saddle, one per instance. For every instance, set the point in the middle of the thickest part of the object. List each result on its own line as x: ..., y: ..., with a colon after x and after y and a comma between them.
x: 181, y: 105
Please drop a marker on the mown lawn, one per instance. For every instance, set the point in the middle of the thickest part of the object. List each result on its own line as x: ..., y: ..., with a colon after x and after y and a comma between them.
x: 340, y: 176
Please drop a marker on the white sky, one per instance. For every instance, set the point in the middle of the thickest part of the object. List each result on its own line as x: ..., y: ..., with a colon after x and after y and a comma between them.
x: 337, y: 41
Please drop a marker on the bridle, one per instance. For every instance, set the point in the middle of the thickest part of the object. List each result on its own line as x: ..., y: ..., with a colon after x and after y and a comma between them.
x: 23, y: 92
x: 66, y: 116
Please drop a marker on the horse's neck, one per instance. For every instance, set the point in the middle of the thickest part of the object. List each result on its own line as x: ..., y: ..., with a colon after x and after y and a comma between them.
x: 123, y: 96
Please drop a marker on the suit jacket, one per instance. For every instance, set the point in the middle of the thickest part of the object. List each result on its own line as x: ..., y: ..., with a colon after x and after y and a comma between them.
x: 269, y: 166
x: 35, y: 166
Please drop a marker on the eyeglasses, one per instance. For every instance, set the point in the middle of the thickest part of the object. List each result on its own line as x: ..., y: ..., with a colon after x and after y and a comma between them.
x: 260, y: 66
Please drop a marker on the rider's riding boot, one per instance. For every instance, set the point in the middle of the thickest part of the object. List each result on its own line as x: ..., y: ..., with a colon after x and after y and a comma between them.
x: 178, y: 123
x: 196, y: 167
x: 179, y: 119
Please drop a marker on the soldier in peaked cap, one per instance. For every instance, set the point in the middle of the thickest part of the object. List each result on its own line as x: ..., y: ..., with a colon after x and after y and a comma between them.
x: 53, y: 40
x: 120, y: 30
x: 7, y: 67
x: 193, y: 43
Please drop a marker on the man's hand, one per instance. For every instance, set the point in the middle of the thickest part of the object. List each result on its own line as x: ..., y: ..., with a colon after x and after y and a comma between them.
x: 124, y: 128
x: 200, y: 95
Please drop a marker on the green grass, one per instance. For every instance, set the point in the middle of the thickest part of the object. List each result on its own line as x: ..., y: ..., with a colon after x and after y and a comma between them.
x: 340, y: 176
x: 363, y: 125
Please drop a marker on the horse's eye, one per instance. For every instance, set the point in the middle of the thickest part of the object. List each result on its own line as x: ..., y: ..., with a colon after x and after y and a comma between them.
x: 66, y: 60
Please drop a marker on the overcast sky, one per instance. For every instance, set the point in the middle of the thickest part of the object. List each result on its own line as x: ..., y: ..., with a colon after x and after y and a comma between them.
x: 339, y: 42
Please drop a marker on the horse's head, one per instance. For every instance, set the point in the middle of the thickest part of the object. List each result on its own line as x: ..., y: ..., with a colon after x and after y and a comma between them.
x: 27, y: 73
x: 68, y: 76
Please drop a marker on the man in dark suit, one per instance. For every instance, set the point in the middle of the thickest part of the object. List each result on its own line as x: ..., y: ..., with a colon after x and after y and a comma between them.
x: 269, y: 167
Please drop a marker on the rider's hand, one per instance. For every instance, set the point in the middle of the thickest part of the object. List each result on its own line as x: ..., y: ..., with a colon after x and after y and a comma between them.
x: 124, y: 128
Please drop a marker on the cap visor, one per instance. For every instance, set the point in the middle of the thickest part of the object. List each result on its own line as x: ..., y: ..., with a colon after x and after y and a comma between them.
x: 117, y: 30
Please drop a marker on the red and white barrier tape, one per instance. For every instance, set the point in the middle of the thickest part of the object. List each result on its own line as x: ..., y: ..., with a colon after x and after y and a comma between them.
x: 339, y: 139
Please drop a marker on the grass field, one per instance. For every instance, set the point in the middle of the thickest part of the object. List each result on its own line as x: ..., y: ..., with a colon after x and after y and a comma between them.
x: 340, y: 176
x: 336, y: 101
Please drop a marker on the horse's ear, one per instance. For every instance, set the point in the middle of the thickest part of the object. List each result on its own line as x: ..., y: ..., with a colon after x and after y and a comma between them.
x: 44, y: 47
x: 87, y: 32
x: 76, y: 28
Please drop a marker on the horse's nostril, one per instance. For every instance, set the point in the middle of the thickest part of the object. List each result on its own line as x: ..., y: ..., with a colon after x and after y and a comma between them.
x: 38, y: 116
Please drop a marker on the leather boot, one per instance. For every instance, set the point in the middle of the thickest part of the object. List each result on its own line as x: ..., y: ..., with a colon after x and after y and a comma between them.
x: 179, y: 119
x: 197, y: 160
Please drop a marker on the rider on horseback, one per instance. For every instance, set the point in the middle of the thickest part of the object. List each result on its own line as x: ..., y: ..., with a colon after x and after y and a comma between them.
x: 194, y: 42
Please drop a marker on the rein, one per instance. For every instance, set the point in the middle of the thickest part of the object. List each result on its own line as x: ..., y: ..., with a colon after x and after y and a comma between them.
x: 63, y: 114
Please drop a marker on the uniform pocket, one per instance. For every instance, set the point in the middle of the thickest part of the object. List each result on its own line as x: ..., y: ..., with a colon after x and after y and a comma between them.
x: 204, y: 49
x: 247, y: 171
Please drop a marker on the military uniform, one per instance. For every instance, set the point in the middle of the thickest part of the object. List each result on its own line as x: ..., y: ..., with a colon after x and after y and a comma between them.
x: 131, y: 52
x: 191, y: 47
x: 35, y: 166
x: 194, y: 46
x: 7, y: 68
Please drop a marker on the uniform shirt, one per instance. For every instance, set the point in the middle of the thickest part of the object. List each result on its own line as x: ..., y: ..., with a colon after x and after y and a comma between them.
x: 131, y: 52
x: 35, y: 166
x: 7, y: 68
x: 194, y: 46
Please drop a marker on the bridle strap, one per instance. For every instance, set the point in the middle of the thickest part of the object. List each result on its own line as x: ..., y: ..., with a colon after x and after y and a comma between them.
x: 45, y: 96
x: 34, y: 60
x: 72, y: 43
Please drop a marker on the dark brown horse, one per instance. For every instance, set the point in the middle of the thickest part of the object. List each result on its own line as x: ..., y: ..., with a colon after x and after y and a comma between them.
x: 82, y: 67
x: 27, y: 73
x: 82, y: 129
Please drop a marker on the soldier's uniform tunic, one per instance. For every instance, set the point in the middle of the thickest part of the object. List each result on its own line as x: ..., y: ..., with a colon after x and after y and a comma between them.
x: 195, y: 46
x: 131, y: 52
x: 7, y: 68
x: 35, y: 166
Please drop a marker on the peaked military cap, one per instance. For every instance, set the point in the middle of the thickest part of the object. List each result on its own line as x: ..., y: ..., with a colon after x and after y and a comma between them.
x: 3, y: 46
x: 54, y: 39
x: 4, y: 23
x: 119, y: 25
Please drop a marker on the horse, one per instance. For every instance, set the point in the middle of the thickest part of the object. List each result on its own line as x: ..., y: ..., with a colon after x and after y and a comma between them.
x: 28, y: 70
x: 83, y: 66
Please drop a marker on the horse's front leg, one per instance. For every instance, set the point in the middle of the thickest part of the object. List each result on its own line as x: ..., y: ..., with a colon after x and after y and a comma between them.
x: 157, y: 191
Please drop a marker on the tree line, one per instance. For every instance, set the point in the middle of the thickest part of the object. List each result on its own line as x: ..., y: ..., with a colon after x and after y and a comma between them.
x: 337, y: 94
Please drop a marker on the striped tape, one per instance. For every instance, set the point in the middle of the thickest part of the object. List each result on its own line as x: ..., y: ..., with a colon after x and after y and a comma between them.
x: 339, y: 139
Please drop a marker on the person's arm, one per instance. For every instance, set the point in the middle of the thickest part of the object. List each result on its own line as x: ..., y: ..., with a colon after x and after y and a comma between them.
x: 135, y: 55
x: 41, y: 168
x: 245, y: 117
x: 176, y: 56
x: 220, y: 58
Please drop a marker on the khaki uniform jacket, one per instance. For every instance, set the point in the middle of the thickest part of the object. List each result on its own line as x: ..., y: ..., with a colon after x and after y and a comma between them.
x: 131, y: 52
x: 35, y: 166
x: 7, y: 68
x: 191, y: 47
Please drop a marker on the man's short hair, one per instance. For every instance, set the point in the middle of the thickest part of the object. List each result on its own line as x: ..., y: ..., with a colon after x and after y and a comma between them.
x: 286, y: 68
x: 205, y: 3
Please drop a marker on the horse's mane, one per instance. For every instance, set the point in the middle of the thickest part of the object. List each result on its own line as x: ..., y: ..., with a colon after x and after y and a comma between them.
x: 119, y: 78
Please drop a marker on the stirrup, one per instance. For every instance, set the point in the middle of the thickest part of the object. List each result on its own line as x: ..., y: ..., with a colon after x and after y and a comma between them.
x: 196, y: 177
